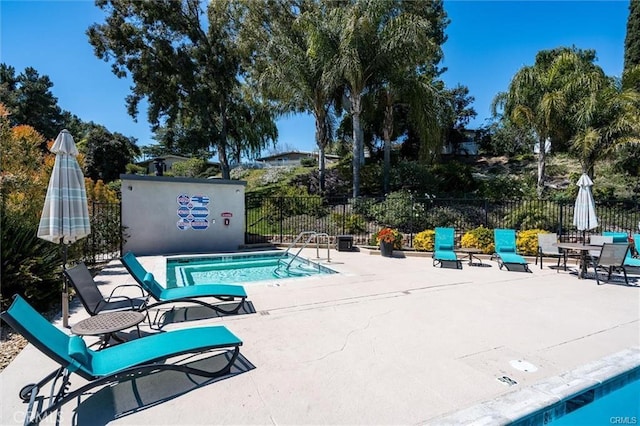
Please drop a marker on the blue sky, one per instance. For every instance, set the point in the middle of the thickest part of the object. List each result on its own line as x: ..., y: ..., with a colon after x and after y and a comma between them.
x: 488, y: 42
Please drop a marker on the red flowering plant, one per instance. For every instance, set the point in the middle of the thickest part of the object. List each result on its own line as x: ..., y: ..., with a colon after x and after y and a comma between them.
x: 389, y: 235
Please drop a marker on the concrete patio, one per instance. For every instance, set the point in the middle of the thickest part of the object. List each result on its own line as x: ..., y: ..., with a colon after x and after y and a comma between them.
x: 386, y: 341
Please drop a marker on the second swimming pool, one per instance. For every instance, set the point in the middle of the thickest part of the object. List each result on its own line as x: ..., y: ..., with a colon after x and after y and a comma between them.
x: 239, y: 268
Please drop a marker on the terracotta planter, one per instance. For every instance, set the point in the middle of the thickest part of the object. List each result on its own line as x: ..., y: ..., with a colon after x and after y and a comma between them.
x: 386, y: 249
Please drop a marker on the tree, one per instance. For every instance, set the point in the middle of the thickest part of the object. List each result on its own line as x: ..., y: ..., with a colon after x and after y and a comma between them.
x: 29, y: 99
x: 188, y: 66
x: 606, y: 116
x: 632, y: 39
x: 375, y: 37
x: 632, y: 45
x: 107, y: 154
x: 540, y: 97
x: 293, y: 46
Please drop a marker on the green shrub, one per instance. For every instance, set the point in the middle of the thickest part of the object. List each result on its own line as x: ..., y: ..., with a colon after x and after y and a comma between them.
x: 308, y: 162
x: 527, y: 216
x: 424, y: 240
x: 527, y: 241
x: 31, y: 266
x: 351, y: 223
x: 480, y: 238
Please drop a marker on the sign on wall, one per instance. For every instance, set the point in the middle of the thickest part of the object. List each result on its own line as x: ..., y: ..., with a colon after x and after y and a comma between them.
x: 193, y: 212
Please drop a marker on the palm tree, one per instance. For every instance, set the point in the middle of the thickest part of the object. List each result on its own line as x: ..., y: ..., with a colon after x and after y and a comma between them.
x: 605, y: 118
x: 293, y: 48
x: 376, y: 38
x: 540, y: 96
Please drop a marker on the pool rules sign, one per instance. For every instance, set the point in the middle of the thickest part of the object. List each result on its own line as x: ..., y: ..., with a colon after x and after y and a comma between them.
x: 193, y: 212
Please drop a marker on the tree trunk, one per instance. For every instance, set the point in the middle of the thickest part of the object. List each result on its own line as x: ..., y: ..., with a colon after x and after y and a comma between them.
x: 387, y: 130
x: 356, y: 109
x: 542, y: 158
x: 321, y: 141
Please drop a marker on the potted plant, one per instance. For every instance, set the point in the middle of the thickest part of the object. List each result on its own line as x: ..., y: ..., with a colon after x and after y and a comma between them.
x: 388, y: 239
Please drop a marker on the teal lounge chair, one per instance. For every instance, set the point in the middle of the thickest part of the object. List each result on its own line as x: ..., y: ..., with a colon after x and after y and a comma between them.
x: 505, y: 242
x: 110, y: 365
x: 443, y: 248
x: 190, y: 294
x: 618, y: 237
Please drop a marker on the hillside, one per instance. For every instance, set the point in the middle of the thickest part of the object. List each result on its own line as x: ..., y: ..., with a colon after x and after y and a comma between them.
x: 489, y: 172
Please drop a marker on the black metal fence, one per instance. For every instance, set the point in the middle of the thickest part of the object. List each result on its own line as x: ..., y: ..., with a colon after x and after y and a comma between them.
x: 107, y: 236
x: 281, y: 219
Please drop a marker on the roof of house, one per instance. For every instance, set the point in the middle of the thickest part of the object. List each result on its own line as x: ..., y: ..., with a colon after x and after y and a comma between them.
x: 284, y: 154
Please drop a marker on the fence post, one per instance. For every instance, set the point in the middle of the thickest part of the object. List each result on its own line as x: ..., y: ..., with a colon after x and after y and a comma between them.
x: 486, y: 213
x: 344, y: 219
x: 281, y: 214
x: 560, y: 220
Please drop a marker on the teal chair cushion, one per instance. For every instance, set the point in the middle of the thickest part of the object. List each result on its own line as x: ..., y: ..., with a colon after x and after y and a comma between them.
x: 447, y: 247
x: 78, y: 350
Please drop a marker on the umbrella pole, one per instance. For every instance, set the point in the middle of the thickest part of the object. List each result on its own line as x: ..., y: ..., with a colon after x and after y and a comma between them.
x: 65, y: 289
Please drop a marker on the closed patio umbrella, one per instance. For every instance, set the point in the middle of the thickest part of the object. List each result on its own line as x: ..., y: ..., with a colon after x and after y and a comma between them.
x: 584, y: 212
x: 65, y: 216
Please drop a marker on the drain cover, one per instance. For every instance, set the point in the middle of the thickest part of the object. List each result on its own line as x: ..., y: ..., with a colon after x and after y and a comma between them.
x: 518, y: 364
x: 507, y: 380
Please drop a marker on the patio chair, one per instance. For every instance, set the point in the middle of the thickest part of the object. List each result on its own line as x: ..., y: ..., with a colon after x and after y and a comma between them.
x: 112, y: 364
x: 443, y: 253
x: 546, y: 248
x: 612, y: 259
x: 189, y: 294
x: 91, y: 297
x: 598, y: 240
x: 505, y: 243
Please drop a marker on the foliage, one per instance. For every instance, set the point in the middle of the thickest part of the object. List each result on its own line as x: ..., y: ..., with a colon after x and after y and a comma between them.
x: 531, y: 216
x: 309, y: 162
x: 107, y: 154
x: 351, y: 223
x: 334, y: 182
x: 398, y: 210
x: 480, y: 238
x: 29, y: 99
x: 25, y: 170
x: 99, y: 192
x: 503, y: 187
x: 30, y: 265
x: 527, y: 241
x: 632, y: 39
x: 187, y: 63
x: 193, y: 167
x: 425, y: 240
x: 389, y: 235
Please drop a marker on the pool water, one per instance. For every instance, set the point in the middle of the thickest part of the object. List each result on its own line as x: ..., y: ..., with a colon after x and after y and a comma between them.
x: 239, y: 269
x: 621, y: 406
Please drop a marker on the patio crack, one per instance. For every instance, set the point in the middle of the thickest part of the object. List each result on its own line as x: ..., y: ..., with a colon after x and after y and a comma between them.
x: 346, y: 339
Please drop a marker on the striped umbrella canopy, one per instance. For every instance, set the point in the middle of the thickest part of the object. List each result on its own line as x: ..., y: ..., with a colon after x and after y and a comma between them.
x: 65, y: 216
x: 584, y: 212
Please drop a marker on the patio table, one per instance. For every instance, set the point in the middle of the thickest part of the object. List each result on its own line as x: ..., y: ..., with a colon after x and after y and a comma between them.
x: 107, y: 324
x: 584, y: 251
x: 470, y: 251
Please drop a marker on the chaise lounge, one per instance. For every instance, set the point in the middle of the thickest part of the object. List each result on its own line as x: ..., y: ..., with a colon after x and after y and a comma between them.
x: 190, y: 294
x: 112, y: 364
x: 443, y: 253
x: 505, y: 243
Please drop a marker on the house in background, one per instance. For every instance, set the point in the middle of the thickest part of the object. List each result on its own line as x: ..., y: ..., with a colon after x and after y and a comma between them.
x: 293, y: 158
x: 468, y: 146
x: 160, y: 165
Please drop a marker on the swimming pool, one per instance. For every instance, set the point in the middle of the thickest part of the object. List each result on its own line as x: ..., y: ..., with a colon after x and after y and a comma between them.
x: 616, y: 401
x: 239, y: 268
